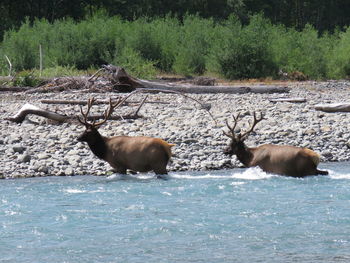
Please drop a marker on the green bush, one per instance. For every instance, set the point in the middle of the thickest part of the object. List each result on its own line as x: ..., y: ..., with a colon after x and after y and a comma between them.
x: 22, y: 47
x: 193, y: 45
x: 86, y: 44
x: 166, y: 33
x: 247, y: 52
x: 143, y: 41
x: 27, y: 79
x: 134, y: 64
x: 301, y: 51
x: 339, y: 57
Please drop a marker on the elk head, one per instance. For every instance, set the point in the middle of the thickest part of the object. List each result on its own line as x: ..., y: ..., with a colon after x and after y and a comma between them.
x: 91, y: 133
x: 237, y: 140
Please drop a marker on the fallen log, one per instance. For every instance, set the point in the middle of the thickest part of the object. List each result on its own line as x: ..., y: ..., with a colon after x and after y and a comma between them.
x: 204, y: 106
x: 196, y: 89
x: 115, y: 78
x: 123, y: 82
x: 333, y: 107
x: 97, y: 102
x: 285, y: 99
x: 32, y: 109
x: 14, y: 88
x: 28, y: 109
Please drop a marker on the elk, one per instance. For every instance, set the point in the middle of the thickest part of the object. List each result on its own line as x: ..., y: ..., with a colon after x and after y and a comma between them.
x: 138, y: 153
x: 278, y: 159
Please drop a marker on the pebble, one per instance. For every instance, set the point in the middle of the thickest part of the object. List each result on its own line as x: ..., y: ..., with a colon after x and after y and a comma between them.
x: 25, y: 158
x: 49, y: 149
x: 18, y: 149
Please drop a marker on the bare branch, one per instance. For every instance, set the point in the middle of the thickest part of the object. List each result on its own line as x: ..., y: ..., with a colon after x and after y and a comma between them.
x: 10, y: 65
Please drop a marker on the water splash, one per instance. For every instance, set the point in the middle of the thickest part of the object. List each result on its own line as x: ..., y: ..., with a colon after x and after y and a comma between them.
x: 254, y: 173
x: 74, y: 191
x: 339, y: 175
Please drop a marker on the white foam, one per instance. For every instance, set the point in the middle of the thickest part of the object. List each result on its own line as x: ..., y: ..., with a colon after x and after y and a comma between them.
x: 117, y: 177
x: 254, y: 173
x: 338, y: 175
x: 74, y: 191
x: 80, y: 191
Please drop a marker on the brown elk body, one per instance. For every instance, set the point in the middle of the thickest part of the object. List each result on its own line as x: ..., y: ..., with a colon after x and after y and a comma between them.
x: 278, y: 159
x: 135, y: 153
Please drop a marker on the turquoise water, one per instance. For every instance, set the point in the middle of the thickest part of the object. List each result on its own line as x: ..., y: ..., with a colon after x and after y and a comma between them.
x: 241, y: 215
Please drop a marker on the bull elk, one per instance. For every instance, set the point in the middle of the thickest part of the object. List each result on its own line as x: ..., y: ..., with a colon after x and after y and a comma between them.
x: 278, y: 159
x: 138, y: 153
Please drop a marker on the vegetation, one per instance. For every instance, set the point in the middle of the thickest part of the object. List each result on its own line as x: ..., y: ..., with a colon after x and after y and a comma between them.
x: 324, y: 15
x: 236, y: 39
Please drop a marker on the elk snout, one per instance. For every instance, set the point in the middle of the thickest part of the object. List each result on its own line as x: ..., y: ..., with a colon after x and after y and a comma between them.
x: 82, y: 138
x: 228, y: 150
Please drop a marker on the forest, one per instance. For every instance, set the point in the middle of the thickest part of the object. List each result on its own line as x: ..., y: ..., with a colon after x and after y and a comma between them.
x: 235, y: 39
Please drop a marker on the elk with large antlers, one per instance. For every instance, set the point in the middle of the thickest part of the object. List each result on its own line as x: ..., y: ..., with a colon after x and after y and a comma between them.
x: 278, y: 159
x: 138, y: 153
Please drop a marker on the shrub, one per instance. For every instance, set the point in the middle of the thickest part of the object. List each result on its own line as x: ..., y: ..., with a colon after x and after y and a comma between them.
x: 195, y: 46
x: 194, y: 43
x: 166, y: 32
x: 22, y: 47
x: 339, y: 57
x: 301, y: 51
x: 134, y: 64
x: 247, y: 53
x: 26, y: 79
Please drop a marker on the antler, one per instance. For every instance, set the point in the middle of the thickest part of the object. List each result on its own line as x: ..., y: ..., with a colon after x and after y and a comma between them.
x: 255, y: 122
x: 85, y: 115
x: 232, y: 129
x: 107, y: 113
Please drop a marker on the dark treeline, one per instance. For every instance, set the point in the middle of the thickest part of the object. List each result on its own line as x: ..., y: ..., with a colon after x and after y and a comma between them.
x: 323, y: 15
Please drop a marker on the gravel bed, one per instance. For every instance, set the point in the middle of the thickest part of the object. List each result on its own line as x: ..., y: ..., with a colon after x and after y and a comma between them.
x: 38, y: 147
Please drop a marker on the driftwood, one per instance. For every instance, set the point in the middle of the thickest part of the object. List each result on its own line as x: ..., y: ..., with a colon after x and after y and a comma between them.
x: 213, y: 89
x: 62, y: 84
x: 119, y: 79
x: 113, y: 78
x: 285, y: 99
x: 205, y: 106
x: 13, y: 88
x: 32, y: 109
x: 97, y: 102
x: 333, y: 107
x: 118, y: 76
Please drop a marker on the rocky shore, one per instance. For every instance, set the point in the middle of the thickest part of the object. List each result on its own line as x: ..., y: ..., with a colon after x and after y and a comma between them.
x: 40, y: 148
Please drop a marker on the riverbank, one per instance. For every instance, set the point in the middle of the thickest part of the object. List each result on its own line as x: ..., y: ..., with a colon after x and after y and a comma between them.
x: 43, y: 148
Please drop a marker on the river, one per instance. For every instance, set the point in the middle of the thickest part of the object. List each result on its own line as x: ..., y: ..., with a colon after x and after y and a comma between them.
x: 240, y: 215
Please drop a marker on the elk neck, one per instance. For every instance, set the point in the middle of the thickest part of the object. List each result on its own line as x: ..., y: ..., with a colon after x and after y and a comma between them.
x: 99, y: 146
x: 244, y: 154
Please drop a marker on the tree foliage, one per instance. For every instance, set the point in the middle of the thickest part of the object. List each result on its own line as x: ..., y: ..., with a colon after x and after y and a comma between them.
x: 324, y: 15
